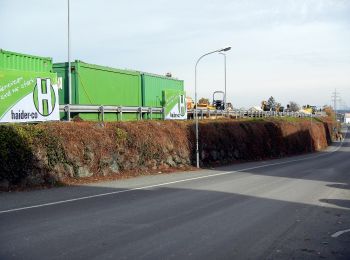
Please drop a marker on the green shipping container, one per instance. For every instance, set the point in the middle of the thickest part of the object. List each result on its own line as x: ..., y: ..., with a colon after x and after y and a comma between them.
x: 99, y: 85
x: 153, y: 87
x: 17, y: 61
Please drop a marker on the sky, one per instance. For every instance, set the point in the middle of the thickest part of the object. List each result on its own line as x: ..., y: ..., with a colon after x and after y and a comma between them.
x: 292, y: 50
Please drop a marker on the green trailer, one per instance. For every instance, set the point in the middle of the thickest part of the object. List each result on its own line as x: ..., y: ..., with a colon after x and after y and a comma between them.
x: 153, y: 87
x: 28, y: 88
x: 99, y: 85
x: 24, y: 62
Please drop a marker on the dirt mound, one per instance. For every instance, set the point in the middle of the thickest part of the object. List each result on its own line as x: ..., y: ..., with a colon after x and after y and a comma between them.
x: 62, y: 153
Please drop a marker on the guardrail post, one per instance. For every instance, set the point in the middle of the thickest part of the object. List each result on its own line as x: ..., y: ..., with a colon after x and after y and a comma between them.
x: 102, y: 113
x: 121, y: 113
x: 150, y: 113
x: 68, y: 112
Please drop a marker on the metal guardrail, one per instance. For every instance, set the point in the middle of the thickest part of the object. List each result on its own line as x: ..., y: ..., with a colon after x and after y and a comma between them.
x: 202, y: 113
x: 120, y: 110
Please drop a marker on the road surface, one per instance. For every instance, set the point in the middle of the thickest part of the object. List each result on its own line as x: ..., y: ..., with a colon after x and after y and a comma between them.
x: 293, y: 208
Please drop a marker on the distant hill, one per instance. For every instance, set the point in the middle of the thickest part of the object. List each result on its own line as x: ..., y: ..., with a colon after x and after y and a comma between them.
x: 343, y: 111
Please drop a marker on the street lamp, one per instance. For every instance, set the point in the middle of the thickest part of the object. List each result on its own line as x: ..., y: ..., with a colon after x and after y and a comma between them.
x: 225, y: 78
x: 69, y: 65
x: 195, y: 98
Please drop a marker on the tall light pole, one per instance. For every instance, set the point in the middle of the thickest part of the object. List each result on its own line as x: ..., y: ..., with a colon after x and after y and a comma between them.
x: 69, y: 65
x: 195, y: 99
x: 225, y: 79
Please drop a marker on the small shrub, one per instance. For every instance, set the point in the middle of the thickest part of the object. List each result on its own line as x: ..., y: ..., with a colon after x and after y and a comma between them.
x: 16, y: 156
x: 120, y: 135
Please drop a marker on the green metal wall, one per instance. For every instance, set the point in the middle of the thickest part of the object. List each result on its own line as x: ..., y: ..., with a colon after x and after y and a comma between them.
x: 17, y: 61
x: 98, y: 85
x: 62, y: 71
x: 153, y: 87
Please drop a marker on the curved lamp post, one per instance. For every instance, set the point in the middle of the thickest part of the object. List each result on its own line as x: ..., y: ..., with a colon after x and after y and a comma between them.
x: 69, y: 64
x: 225, y: 79
x: 195, y: 98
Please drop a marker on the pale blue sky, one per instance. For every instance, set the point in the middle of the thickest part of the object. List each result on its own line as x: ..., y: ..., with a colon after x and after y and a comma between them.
x: 293, y: 50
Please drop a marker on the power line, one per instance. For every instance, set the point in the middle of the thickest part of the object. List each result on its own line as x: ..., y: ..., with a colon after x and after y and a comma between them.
x: 335, y: 99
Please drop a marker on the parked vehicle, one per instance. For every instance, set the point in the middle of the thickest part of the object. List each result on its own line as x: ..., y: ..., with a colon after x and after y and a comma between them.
x: 219, y: 103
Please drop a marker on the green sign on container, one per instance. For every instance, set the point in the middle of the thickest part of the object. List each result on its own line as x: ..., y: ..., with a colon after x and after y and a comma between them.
x: 28, y: 96
x: 175, y: 104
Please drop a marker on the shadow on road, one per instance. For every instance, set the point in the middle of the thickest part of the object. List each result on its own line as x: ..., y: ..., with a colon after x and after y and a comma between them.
x: 340, y: 203
x: 339, y: 186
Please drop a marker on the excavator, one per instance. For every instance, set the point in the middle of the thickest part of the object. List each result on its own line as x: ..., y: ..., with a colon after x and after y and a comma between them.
x: 217, y: 104
x: 309, y: 109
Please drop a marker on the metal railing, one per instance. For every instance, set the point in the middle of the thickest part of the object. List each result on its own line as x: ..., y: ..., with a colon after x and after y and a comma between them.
x: 119, y: 110
x: 236, y: 113
x: 147, y: 112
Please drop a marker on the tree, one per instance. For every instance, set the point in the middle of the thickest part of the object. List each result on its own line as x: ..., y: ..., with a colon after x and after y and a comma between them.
x: 293, y: 106
x: 271, y: 102
x: 329, y: 111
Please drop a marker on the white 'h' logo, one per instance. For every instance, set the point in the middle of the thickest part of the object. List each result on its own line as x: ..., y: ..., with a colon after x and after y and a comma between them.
x: 42, y: 97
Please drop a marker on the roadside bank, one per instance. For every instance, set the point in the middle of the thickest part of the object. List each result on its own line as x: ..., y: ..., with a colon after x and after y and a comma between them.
x: 52, y: 154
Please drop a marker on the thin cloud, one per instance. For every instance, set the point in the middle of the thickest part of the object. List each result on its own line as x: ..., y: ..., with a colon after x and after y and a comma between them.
x: 290, y: 49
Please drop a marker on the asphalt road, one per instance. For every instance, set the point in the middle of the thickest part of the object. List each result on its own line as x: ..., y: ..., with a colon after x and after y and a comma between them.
x: 278, y: 209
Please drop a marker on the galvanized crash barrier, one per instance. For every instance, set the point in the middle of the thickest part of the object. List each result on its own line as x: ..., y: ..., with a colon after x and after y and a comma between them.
x: 119, y: 110
x: 208, y: 113
x: 147, y: 112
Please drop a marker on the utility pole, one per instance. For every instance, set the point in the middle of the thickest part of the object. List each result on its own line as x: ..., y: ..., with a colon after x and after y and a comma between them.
x: 335, y: 99
x: 69, y: 65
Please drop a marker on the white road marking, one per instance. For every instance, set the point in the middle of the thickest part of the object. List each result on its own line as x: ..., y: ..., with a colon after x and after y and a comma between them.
x: 164, y: 184
x: 339, y: 233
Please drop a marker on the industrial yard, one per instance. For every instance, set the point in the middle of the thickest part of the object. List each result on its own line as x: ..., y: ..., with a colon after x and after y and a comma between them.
x: 174, y: 129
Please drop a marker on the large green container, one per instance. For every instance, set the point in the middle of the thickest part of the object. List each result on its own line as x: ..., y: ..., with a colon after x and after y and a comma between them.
x: 99, y: 85
x: 153, y: 87
x: 17, y: 61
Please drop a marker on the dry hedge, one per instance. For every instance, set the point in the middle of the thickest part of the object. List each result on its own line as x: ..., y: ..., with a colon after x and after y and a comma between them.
x: 58, y: 153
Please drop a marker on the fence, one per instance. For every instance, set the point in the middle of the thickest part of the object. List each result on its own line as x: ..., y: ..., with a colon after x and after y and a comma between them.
x: 120, y: 110
x: 146, y: 112
x: 237, y: 113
